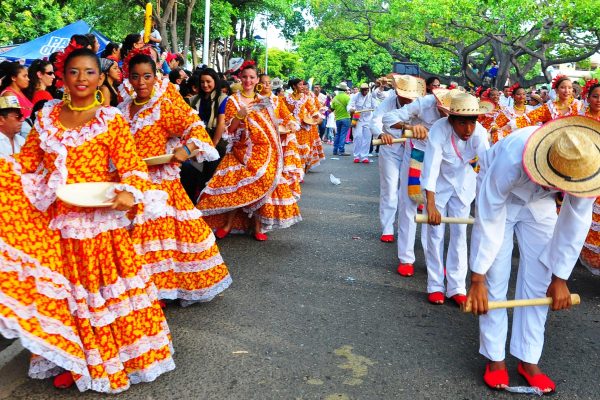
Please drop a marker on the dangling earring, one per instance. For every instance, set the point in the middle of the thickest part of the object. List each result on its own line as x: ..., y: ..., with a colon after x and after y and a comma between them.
x: 66, y: 98
x: 99, y: 96
x: 258, y: 88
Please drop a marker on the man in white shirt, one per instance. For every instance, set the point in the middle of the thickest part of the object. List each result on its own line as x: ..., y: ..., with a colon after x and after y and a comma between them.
x: 11, y: 120
x: 362, y: 101
x: 448, y: 183
x: 517, y: 184
x: 506, y: 99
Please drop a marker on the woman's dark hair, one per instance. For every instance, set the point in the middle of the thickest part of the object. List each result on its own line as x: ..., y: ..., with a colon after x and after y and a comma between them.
x: 36, y: 107
x: 225, y: 85
x: 250, y: 66
x: 91, y: 38
x: 81, y: 40
x: 429, y: 81
x: 8, y: 70
x: 560, y: 80
x: 35, y: 67
x: 517, y: 89
x: 141, y: 59
x: 108, y: 50
x: 294, y: 82
x: 592, y: 88
x: 213, y: 74
x: 83, y: 52
x: 128, y: 43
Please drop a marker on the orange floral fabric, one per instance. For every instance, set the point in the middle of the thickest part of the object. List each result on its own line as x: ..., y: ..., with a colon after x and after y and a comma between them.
x: 178, y: 248
x: 545, y: 113
x: 90, y: 281
x: 302, y: 108
x: 590, y: 254
x: 250, y: 175
x: 316, y: 153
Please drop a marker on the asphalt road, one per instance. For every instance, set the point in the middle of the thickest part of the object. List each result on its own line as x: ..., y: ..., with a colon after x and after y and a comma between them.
x: 318, y: 312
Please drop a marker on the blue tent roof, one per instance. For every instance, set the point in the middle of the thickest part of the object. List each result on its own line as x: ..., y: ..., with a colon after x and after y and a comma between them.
x: 45, y: 45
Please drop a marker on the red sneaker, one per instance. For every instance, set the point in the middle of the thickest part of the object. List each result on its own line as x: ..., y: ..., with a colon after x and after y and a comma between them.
x: 261, y: 237
x: 540, y: 381
x: 406, y: 269
x: 387, y: 238
x: 497, y: 380
x: 459, y: 299
x: 436, y: 298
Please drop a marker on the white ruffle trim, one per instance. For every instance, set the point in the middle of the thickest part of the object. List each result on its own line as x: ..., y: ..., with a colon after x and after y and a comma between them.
x: 180, y: 267
x: 168, y: 211
x: 87, y: 225
x: 138, y: 196
x: 139, y: 174
x: 173, y: 244
x: 189, y: 297
x: 153, y: 104
x: 207, y: 151
x: 269, y: 224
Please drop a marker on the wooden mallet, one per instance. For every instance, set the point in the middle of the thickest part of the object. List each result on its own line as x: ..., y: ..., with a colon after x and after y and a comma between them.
x: 406, y: 135
x: 423, y: 219
x: 544, y: 301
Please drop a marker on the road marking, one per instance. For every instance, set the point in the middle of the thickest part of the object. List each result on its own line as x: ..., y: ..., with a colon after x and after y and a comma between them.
x: 337, y: 396
x: 357, y: 364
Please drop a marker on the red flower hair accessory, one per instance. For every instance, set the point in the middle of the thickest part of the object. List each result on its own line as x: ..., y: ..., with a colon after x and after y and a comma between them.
x: 130, y: 55
x: 557, y: 80
x: 59, y: 63
x: 587, y: 87
x: 486, y: 94
x: 478, y: 91
x: 514, y: 87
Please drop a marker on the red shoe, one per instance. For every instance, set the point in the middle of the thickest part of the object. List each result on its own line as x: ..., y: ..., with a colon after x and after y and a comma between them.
x: 387, y: 238
x: 221, y: 233
x: 366, y: 161
x: 356, y: 161
x: 459, y: 299
x: 406, y: 269
x: 540, y: 381
x: 420, y: 207
x: 436, y: 298
x: 162, y: 304
x: 261, y: 237
x: 64, y: 380
x: 495, y: 378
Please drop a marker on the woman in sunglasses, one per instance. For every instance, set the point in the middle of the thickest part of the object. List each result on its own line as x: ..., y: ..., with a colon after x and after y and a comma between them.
x: 41, y: 77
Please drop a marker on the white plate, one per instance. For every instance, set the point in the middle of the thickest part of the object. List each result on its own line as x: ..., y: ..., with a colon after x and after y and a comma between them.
x: 88, y: 194
x: 283, y: 129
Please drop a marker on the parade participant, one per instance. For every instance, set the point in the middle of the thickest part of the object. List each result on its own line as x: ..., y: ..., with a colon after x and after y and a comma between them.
x: 499, y: 127
x: 535, y: 101
x: 101, y: 323
x: 507, y: 96
x: 293, y: 170
x: 432, y: 83
x: 178, y: 248
x: 339, y: 106
x: 110, y: 84
x: 13, y: 82
x: 41, y: 76
x: 417, y: 116
x: 408, y: 88
x: 517, y: 182
x: 448, y: 182
x: 564, y: 105
x: 590, y: 254
x: 11, y: 120
x: 315, y: 154
x: 492, y: 95
x: 363, y: 100
x: 299, y: 104
x: 247, y: 184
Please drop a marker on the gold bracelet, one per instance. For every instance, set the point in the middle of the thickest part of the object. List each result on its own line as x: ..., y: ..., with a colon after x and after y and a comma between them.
x: 238, y: 117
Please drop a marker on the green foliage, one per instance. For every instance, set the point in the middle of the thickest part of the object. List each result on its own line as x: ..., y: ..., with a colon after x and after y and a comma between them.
x: 281, y: 63
x: 113, y: 18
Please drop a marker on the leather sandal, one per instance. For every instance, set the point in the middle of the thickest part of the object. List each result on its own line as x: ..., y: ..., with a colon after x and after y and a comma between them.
x: 540, y: 381
x: 495, y: 378
x: 436, y: 298
x: 64, y: 380
x: 406, y: 269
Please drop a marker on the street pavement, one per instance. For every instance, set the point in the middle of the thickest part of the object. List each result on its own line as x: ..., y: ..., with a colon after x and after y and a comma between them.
x: 319, y: 312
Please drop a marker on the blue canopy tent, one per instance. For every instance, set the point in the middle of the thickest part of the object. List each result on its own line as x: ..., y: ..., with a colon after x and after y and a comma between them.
x: 45, y: 45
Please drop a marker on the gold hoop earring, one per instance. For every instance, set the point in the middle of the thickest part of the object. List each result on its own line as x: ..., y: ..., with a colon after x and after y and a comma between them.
x: 99, y: 96
x: 66, y: 98
x: 258, y: 88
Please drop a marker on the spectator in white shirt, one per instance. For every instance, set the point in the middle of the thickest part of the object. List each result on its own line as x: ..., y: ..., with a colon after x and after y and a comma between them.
x: 11, y: 119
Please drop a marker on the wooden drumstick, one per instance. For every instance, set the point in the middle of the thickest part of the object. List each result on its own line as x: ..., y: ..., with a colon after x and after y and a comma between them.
x: 544, y: 301
x: 406, y: 135
x: 423, y: 219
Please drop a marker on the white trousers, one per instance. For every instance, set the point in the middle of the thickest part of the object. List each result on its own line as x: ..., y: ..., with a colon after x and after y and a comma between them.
x: 533, y: 279
x: 407, y: 209
x: 362, y: 140
x: 457, y: 257
x: 390, y: 159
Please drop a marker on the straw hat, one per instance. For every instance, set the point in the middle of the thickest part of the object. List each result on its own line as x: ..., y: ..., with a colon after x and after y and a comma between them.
x: 444, y: 96
x: 276, y: 83
x: 9, y: 102
x: 409, y: 87
x: 565, y: 154
x: 465, y: 104
x: 342, y: 86
x: 537, y: 98
x: 364, y: 85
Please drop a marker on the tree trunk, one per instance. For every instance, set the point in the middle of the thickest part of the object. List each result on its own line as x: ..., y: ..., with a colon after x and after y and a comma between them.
x: 194, y: 50
x: 188, y: 27
x: 173, y: 26
x: 163, y: 20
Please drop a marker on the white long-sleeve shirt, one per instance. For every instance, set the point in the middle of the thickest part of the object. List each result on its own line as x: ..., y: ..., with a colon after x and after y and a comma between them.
x: 5, y: 146
x: 446, y: 169
x: 360, y: 102
x: 422, y: 111
x: 504, y: 188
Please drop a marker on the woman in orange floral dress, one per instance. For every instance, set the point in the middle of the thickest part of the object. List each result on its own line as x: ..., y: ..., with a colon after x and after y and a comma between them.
x: 293, y: 170
x: 590, y: 254
x: 178, y: 248
x: 248, y: 183
x: 80, y: 299
x: 499, y: 127
x: 316, y: 153
x: 301, y: 107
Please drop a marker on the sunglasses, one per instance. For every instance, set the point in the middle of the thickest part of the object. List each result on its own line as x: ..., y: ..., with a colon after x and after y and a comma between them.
x: 50, y: 73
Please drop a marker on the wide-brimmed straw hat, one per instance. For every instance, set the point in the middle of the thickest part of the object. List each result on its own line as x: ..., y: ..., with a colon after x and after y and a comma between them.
x: 565, y: 154
x: 409, y: 87
x: 465, y: 104
x: 7, y: 102
x: 444, y: 96
x: 342, y: 86
x: 276, y: 83
x: 537, y: 98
